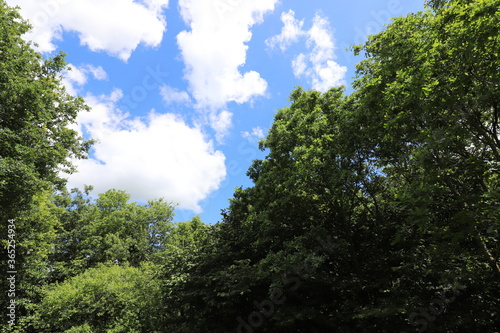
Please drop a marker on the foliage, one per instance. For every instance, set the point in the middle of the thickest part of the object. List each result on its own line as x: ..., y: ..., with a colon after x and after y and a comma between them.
x: 35, y: 111
x: 107, y: 229
x: 36, y: 145
x: 304, y: 232
x: 108, y: 298
x: 428, y: 96
x: 399, y: 180
x: 374, y: 211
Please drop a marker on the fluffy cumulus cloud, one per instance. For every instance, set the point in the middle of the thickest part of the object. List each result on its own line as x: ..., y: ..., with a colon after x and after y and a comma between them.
x: 172, y: 95
x: 255, y: 135
x: 113, y: 26
x: 160, y: 156
x: 77, y: 76
x: 318, y: 66
x: 215, y: 48
x: 221, y: 122
x: 291, y: 32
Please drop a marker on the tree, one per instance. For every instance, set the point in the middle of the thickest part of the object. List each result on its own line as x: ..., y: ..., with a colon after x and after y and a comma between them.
x: 428, y: 97
x: 296, y: 251
x: 36, y: 143
x: 81, y: 236
x: 37, y: 224
x: 35, y: 111
x: 107, y: 229
x: 107, y: 298
x: 377, y: 210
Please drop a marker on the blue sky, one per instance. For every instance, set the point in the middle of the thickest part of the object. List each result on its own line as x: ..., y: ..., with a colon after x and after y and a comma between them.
x: 181, y: 91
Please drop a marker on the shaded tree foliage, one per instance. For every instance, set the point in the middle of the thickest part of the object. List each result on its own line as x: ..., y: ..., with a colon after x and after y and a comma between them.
x: 35, y: 111
x: 36, y: 144
x: 106, y: 298
x: 374, y: 211
x: 377, y: 211
x: 107, y: 229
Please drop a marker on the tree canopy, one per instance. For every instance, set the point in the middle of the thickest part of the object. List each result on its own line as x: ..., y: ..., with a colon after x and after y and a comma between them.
x: 36, y: 143
x: 373, y: 211
x: 378, y: 209
x: 35, y: 111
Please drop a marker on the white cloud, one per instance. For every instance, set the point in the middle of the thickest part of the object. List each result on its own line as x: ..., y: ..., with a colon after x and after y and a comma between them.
x: 299, y: 65
x: 97, y: 72
x: 215, y: 48
x: 221, y: 123
x: 76, y: 77
x: 113, y: 26
x: 256, y: 134
x: 318, y: 66
x: 158, y: 157
x: 324, y: 71
x: 291, y: 32
x: 172, y: 95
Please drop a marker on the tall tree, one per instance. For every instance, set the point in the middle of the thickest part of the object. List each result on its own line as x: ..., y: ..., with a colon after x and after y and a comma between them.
x: 107, y: 229
x: 402, y: 176
x: 296, y: 251
x: 428, y: 94
x: 106, y: 298
x: 35, y: 111
x: 36, y: 143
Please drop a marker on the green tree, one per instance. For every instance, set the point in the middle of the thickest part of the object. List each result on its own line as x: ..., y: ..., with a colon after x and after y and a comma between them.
x: 106, y: 298
x: 35, y: 111
x: 107, y: 229
x: 427, y: 97
x: 377, y: 210
x: 37, y: 224
x: 181, y: 253
x: 36, y: 144
x: 301, y: 237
